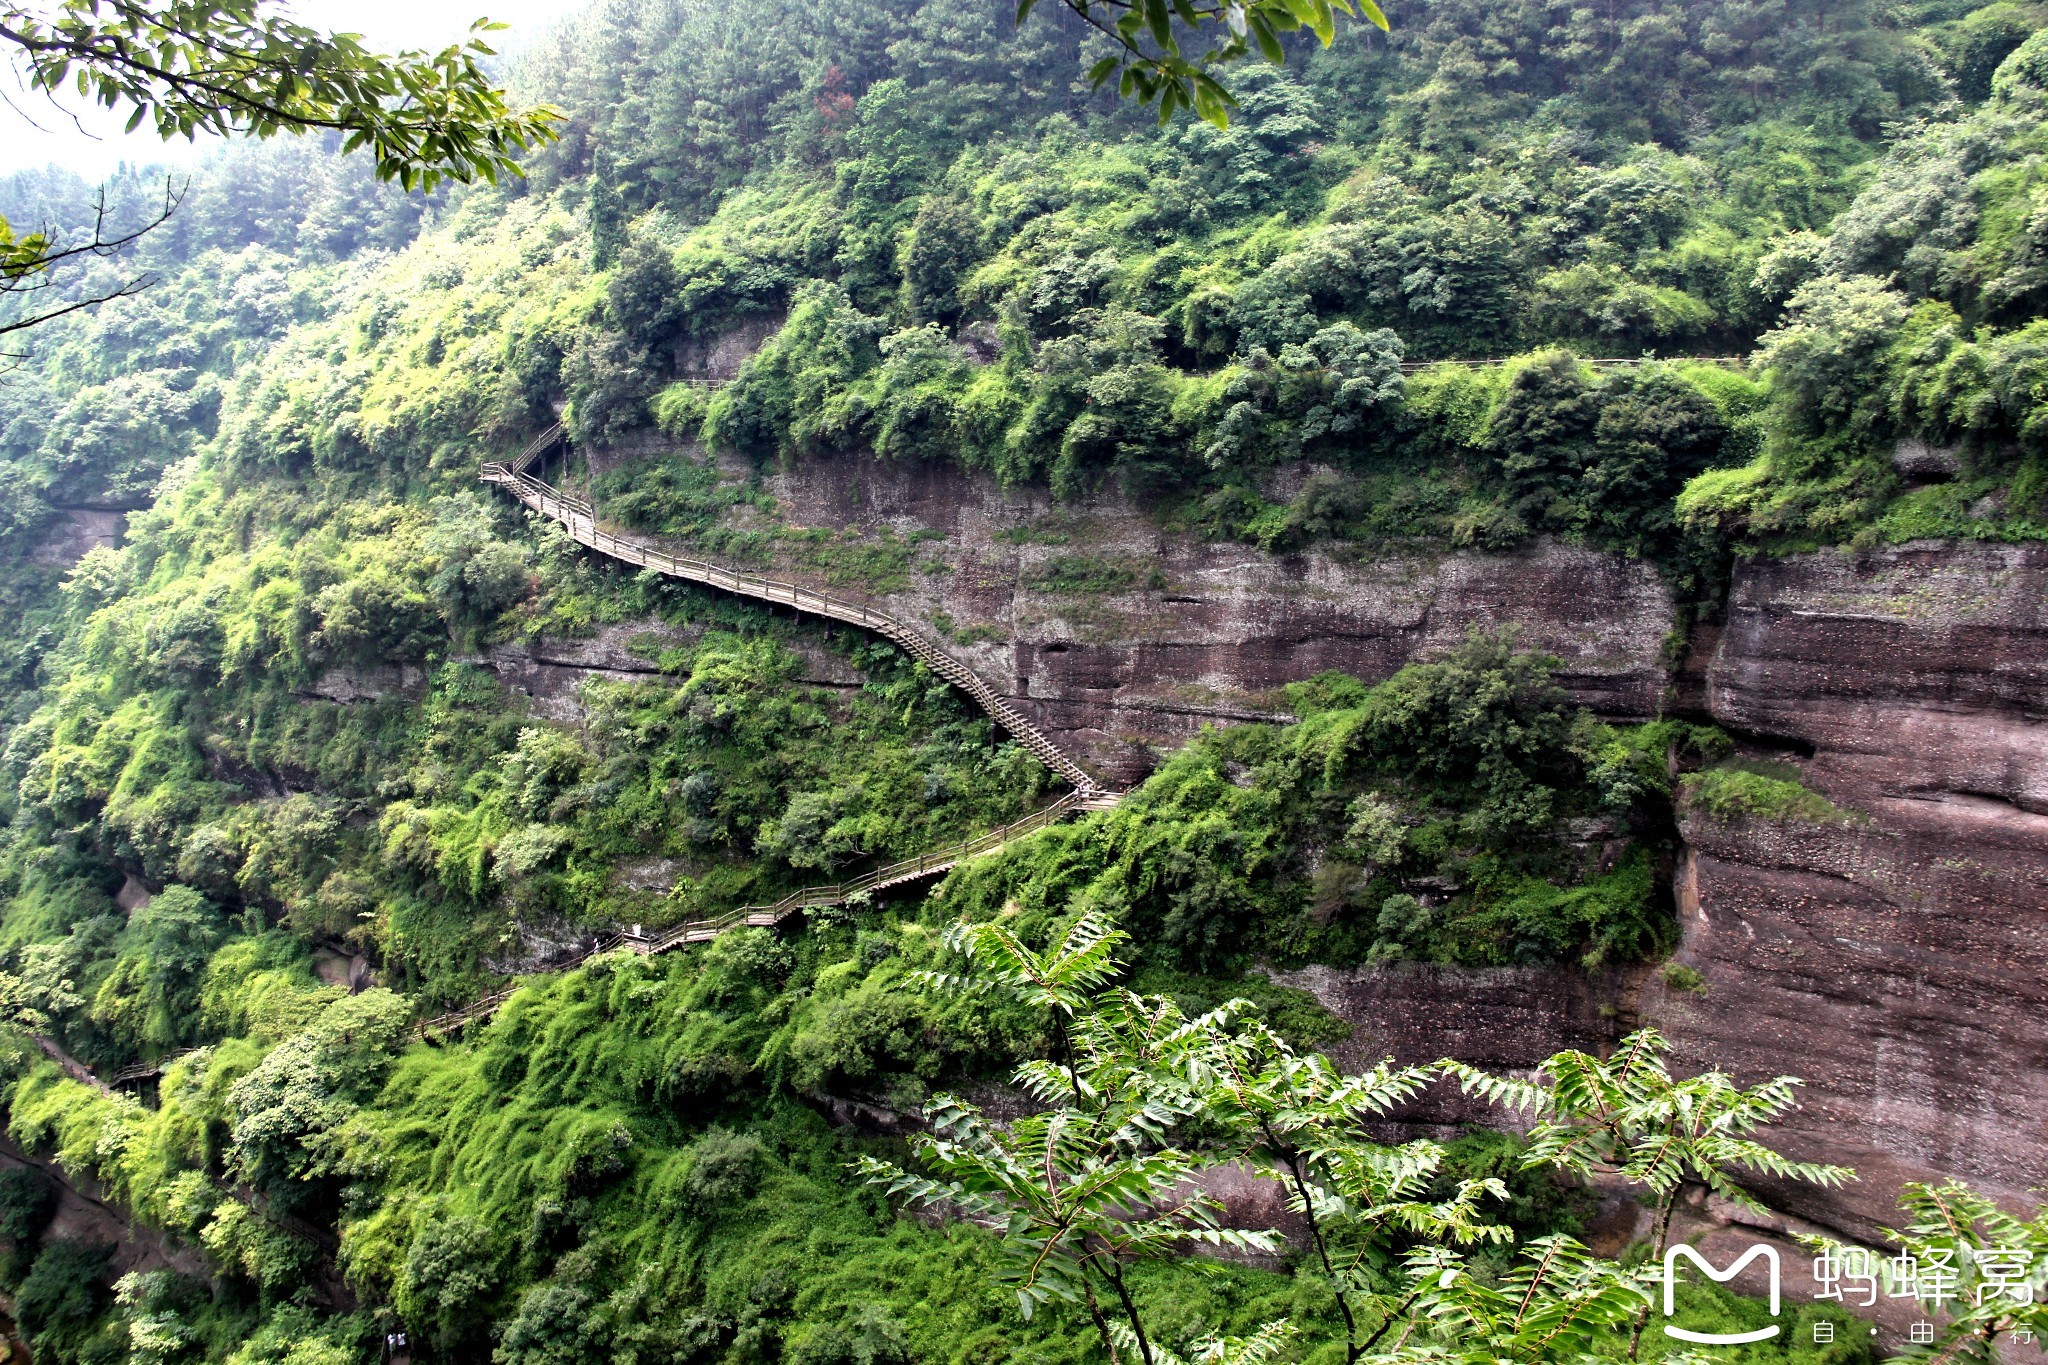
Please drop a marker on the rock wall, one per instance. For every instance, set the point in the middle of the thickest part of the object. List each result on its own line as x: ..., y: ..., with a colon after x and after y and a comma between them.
x: 1122, y: 637
x: 83, y: 1212
x: 1505, y: 1019
x: 1895, y: 962
x: 1898, y: 962
x: 551, y: 671
x: 74, y: 532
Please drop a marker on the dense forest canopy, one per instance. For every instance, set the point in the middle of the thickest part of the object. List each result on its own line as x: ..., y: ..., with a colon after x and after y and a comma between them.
x: 1819, y: 227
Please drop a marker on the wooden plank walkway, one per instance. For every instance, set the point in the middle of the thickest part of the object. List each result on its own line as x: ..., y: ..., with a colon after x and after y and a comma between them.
x: 579, y: 518
x: 704, y: 930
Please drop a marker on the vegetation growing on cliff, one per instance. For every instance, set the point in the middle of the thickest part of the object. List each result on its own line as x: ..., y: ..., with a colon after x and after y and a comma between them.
x: 1462, y: 812
x: 286, y: 705
x: 1732, y: 791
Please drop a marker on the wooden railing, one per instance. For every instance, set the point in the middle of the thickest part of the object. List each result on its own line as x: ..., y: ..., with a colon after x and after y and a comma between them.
x: 580, y: 520
x: 1416, y: 366
x: 704, y: 930
x: 142, y: 1071
x: 537, y: 447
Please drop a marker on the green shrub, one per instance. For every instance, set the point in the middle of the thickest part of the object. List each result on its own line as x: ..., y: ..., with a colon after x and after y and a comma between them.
x: 1680, y: 977
x: 61, y: 1302
x: 1730, y: 793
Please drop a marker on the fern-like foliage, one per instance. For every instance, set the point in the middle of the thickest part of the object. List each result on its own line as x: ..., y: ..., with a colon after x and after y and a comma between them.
x: 1298, y: 1119
x: 1558, y: 1302
x: 1094, y: 1181
x: 1978, y: 1271
x: 1256, y: 1349
x: 1062, y: 978
x: 1627, y: 1115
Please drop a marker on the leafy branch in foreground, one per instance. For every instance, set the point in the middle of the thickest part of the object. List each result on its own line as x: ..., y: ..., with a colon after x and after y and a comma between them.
x: 1144, y: 1099
x: 1626, y: 1116
x: 1964, y: 1259
x: 1090, y: 1185
x: 1557, y: 1302
x: 25, y: 262
x: 1255, y: 1349
x: 239, y: 66
x: 1061, y: 979
x: 1297, y: 1118
x: 1162, y: 72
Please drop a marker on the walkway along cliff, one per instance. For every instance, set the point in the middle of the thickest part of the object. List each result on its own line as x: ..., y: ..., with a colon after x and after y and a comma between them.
x: 580, y: 519
x: 1898, y: 963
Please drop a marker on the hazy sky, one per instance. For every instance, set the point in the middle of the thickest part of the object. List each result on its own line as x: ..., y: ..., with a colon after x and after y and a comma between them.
x: 33, y: 133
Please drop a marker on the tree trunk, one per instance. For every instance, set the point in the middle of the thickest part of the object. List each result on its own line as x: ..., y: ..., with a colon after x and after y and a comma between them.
x: 1635, y: 1339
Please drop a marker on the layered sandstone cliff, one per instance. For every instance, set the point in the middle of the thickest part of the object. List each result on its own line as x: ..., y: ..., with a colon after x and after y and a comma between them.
x: 1122, y: 637
x: 1898, y: 962
x: 1895, y: 960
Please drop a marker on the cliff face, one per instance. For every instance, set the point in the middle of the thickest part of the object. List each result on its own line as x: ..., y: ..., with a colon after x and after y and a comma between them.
x: 1122, y: 638
x: 1899, y: 963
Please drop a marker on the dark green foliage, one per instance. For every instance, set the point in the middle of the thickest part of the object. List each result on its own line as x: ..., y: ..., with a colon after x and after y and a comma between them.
x: 607, y: 215
x: 149, y: 1000
x: 58, y: 1305
x: 944, y: 244
x: 1601, y: 458
x: 1539, y: 1203
x: 27, y: 1199
x: 449, y: 1284
x: 1437, y: 806
x: 723, y: 1169
x: 644, y: 301
x: 870, y: 1337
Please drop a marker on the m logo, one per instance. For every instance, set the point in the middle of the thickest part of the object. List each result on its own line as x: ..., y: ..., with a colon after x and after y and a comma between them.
x: 1770, y: 1255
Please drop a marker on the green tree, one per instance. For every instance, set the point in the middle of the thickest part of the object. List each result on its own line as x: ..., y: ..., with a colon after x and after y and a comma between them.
x: 607, y: 213
x: 1300, y: 1119
x: 1999, y: 1260
x: 225, y: 67
x: 1557, y: 1302
x: 1087, y: 1186
x: 151, y: 997
x: 1627, y: 1116
x: 1487, y: 723
x: 59, y: 1304
x: 1167, y: 49
x: 289, y: 1113
x: 1090, y: 1184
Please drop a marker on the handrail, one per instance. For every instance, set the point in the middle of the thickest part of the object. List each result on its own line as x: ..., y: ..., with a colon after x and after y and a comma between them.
x: 538, y: 446
x: 580, y: 518
x: 765, y: 916
x: 1413, y: 366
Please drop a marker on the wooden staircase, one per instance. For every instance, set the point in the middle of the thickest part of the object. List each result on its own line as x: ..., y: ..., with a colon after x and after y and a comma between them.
x: 704, y: 930
x: 579, y: 518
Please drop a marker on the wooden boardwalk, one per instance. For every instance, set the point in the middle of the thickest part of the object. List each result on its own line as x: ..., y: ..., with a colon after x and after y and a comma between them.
x: 704, y: 930
x: 579, y: 518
